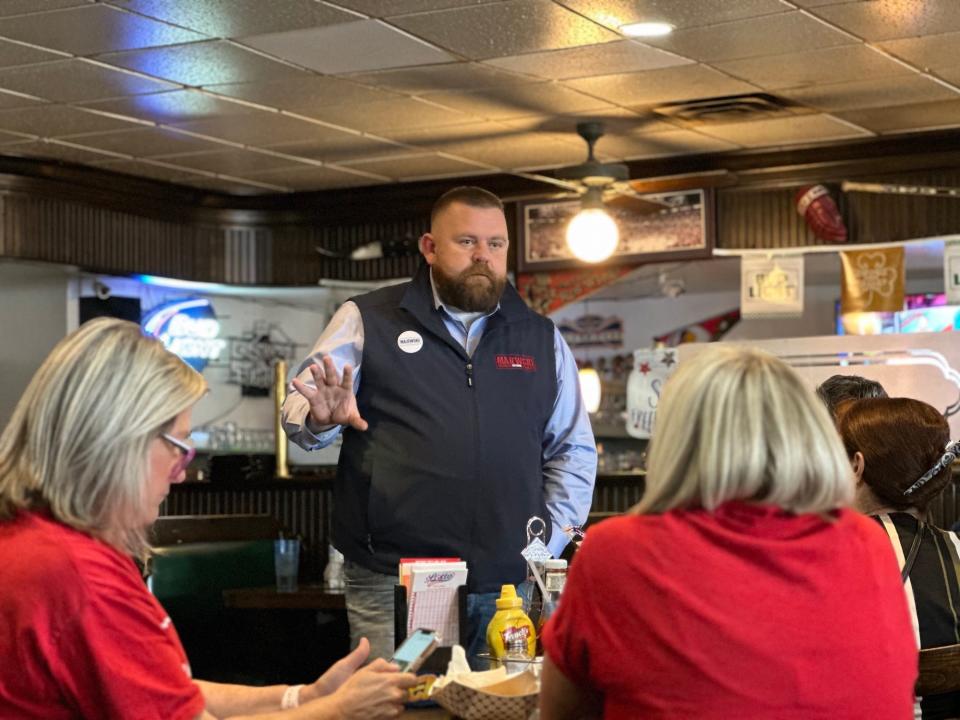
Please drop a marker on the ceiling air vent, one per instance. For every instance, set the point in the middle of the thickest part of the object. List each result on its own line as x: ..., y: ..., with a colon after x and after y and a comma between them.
x: 728, y: 109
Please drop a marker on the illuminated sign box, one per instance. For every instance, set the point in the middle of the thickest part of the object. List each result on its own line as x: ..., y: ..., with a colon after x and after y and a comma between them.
x: 188, y: 328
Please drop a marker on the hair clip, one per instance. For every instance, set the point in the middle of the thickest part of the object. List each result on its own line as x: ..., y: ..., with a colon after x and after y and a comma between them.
x: 951, y: 453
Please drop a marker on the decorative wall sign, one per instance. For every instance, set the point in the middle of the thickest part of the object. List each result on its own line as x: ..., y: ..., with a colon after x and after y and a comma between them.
x: 253, y: 355
x: 188, y: 328
x: 709, y: 330
x: 653, y: 228
x: 771, y: 287
x: 651, y: 368
x: 951, y: 271
x: 592, y: 331
x: 873, y: 280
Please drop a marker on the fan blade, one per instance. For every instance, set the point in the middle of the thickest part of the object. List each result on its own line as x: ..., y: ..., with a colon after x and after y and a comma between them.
x: 565, y: 184
x: 686, y: 181
x: 633, y: 204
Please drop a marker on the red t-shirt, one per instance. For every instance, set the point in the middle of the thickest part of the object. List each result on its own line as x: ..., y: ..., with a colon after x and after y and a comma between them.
x: 80, y: 635
x: 749, y: 612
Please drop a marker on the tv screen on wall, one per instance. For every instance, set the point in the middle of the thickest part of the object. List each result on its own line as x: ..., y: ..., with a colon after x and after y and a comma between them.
x: 922, y: 312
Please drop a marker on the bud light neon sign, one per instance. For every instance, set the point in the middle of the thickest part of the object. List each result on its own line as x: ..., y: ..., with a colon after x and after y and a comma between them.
x: 188, y: 328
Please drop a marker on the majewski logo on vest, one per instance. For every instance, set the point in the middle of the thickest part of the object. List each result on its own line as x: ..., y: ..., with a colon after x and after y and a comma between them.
x: 516, y: 362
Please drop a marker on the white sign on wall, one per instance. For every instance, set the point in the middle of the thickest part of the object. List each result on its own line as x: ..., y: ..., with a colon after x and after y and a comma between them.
x: 951, y: 271
x: 771, y: 287
x: 651, y: 368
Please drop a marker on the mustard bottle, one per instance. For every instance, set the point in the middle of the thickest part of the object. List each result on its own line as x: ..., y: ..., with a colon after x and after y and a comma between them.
x: 510, y: 623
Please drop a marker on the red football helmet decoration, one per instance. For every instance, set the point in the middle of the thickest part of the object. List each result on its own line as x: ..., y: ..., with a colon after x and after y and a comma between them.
x: 821, y: 214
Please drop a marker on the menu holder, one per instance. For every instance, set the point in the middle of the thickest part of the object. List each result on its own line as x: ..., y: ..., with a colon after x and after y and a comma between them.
x: 437, y: 662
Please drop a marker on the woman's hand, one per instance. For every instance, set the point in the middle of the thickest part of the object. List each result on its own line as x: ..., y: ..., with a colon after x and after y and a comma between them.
x: 374, y: 692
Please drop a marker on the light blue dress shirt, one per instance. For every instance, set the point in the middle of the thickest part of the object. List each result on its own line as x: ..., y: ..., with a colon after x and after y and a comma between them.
x: 569, y: 449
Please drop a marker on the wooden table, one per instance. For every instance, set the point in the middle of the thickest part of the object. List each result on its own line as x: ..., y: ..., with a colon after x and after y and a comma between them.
x: 306, y: 597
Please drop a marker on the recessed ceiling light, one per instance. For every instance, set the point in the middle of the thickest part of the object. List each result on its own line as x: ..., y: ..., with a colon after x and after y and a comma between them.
x: 647, y: 29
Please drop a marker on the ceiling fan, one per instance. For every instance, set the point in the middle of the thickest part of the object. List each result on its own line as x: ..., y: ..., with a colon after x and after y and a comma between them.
x: 599, y: 184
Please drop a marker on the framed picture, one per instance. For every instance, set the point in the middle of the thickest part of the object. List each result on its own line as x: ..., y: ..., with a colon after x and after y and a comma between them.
x: 653, y: 228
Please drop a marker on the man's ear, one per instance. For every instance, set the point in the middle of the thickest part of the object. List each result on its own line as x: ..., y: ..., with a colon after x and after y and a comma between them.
x: 859, y: 464
x: 428, y: 247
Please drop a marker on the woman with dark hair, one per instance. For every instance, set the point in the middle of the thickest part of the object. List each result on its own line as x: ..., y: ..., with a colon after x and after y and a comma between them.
x: 901, y: 454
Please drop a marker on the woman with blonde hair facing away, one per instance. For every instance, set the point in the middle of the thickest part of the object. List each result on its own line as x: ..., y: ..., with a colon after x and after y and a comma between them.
x: 901, y: 453
x: 739, y: 587
x: 89, y: 454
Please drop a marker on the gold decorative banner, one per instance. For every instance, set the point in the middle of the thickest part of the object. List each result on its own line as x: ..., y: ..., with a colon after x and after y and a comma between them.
x: 546, y: 292
x: 873, y: 280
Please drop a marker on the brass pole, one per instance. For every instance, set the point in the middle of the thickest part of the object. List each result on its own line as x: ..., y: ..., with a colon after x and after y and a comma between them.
x: 280, y: 437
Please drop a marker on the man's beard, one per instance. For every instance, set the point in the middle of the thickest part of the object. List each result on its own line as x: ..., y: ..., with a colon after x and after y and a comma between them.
x: 466, y: 292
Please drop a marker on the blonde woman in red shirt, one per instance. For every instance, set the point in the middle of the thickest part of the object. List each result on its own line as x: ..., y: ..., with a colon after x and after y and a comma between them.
x: 740, y: 586
x: 92, y: 448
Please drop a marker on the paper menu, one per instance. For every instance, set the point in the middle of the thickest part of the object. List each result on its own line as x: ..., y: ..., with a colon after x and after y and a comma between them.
x: 432, y: 600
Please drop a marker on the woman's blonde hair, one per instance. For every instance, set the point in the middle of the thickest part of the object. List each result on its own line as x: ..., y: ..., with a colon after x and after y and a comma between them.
x: 77, y: 442
x: 735, y: 423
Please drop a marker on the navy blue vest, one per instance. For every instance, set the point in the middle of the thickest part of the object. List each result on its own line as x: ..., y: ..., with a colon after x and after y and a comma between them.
x: 451, y: 463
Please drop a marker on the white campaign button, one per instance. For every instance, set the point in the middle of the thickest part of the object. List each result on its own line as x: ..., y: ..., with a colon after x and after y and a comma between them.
x: 410, y: 341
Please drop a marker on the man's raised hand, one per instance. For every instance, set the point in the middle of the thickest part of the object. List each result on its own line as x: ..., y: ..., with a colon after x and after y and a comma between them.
x: 332, y: 401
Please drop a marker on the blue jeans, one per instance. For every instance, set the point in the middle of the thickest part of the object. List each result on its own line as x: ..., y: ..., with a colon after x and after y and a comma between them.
x: 369, y: 597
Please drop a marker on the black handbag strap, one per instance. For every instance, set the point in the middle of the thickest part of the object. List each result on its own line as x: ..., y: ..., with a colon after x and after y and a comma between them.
x: 914, y: 549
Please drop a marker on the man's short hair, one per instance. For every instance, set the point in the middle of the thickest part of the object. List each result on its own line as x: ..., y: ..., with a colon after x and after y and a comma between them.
x: 467, y: 195
x: 838, y: 389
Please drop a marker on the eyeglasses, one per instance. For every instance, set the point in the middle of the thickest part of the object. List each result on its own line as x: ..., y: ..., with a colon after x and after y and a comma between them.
x: 189, y: 452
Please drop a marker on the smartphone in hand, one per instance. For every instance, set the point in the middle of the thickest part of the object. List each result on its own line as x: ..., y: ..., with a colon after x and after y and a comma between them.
x: 414, y: 651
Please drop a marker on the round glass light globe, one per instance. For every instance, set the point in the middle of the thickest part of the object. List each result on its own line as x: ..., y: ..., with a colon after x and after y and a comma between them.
x: 592, y: 235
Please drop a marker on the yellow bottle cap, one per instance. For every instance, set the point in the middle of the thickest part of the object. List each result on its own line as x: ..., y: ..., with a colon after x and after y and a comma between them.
x: 508, y: 598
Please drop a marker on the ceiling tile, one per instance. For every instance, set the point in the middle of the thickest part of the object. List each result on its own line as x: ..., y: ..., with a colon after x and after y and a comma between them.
x: 411, y: 166
x: 342, y: 148
x: 12, y: 54
x: 76, y: 80
x: 839, y: 64
x: 307, y: 94
x: 888, y: 19
x: 52, y: 151
x: 392, y: 8
x: 93, y: 29
x: 172, y: 107
x: 428, y: 138
x: 258, y: 128
x: 756, y: 37
x: 819, y: 3
x: 394, y: 114
x: 238, y: 18
x: 687, y: 82
x: 431, y: 78
x: 515, y: 152
x: 932, y: 51
x: 513, y: 101
x: 615, y: 57
x: 145, y: 142
x: 514, y: 28
x: 147, y: 170
x: 233, y: 186
x: 618, y: 121
x: 314, y: 178
x: 689, y: 13
x: 783, y: 131
x: 22, y: 7
x: 920, y: 116
x: 57, y: 121
x: 349, y: 47
x: 673, y: 142
x: 879, y: 92
x: 950, y: 74
x: 8, y: 101
x: 230, y: 162
x: 203, y: 63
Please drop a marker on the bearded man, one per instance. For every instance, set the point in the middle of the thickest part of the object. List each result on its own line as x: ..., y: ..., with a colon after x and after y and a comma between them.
x: 467, y: 421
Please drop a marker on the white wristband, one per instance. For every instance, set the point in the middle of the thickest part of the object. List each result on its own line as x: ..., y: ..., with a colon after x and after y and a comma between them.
x: 291, y: 697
